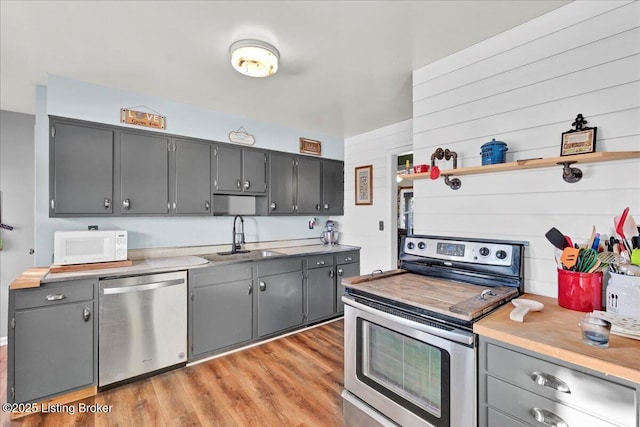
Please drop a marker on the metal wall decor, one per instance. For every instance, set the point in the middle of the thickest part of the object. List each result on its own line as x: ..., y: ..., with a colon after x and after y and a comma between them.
x: 580, y: 140
x: 445, y: 154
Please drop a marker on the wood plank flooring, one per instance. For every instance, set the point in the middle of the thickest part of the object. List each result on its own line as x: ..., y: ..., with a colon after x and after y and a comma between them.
x: 292, y: 381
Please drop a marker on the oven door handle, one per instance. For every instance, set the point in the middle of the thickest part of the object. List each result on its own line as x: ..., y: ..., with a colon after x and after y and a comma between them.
x: 452, y: 334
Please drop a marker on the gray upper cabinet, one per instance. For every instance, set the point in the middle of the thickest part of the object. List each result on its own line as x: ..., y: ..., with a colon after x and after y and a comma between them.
x: 332, y: 187
x: 81, y: 170
x: 144, y: 174
x: 281, y: 184
x: 239, y: 171
x: 191, y: 178
x: 308, y: 185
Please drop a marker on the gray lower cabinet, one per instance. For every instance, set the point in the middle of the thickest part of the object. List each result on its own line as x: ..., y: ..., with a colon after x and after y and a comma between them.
x: 144, y: 174
x: 191, y: 178
x: 80, y: 170
x: 321, y: 290
x: 347, y: 265
x: 517, y: 387
x: 220, y: 308
x: 52, y: 340
x: 279, y: 295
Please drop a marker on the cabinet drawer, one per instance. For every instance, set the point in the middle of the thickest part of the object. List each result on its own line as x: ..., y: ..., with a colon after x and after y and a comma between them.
x: 347, y: 257
x: 496, y: 418
x: 589, y: 393
x: 319, y: 261
x: 521, y: 404
x: 220, y: 274
x: 52, y: 294
x: 269, y: 268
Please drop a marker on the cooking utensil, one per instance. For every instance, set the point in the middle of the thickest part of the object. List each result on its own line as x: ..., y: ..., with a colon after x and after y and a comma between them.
x: 592, y: 238
x: 609, y: 258
x: 635, y: 257
x: 618, y: 223
x: 556, y: 238
x: 569, y: 257
x: 523, y: 306
x: 596, y: 266
x: 586, y: 260
x: 596, y: 242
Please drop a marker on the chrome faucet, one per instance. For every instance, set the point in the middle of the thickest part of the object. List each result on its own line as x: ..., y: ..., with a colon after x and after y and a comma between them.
x: 236, y: 246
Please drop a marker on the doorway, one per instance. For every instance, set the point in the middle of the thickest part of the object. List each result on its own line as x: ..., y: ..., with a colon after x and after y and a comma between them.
x: 404, y: 204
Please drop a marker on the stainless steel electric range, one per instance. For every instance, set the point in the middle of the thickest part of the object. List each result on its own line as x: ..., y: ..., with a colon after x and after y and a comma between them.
x: 410, y: 352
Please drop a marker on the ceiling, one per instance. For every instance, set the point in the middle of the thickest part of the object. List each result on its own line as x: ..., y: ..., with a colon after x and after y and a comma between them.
x: 345, y: 65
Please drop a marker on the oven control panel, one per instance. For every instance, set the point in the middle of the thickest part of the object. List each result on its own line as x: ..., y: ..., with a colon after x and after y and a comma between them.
x: 463, y: 251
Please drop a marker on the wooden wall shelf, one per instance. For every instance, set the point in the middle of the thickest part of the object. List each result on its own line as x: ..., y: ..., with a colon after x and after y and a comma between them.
x: 532, y: 164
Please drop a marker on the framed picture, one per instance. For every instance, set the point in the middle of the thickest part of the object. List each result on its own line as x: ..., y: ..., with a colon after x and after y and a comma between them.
x: 364, y: 185
x: 578, y: 141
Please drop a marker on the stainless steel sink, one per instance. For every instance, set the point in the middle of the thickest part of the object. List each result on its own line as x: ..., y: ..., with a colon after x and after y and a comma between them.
x: 241, y: 255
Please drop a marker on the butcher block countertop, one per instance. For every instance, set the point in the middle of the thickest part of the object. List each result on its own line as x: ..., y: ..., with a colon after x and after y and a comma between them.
x: 554, y: 332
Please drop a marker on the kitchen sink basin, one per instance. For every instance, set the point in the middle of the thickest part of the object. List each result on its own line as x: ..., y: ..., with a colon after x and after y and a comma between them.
x: 241, y: 255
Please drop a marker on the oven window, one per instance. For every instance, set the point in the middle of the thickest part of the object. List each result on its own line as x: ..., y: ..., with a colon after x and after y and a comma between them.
x: 412, y: 373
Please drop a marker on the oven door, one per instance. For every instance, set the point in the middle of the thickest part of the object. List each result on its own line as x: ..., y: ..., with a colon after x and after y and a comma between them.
x: 413, y: 372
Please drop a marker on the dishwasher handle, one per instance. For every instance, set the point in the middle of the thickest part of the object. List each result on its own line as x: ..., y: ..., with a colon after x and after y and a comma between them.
x: 138, y: 288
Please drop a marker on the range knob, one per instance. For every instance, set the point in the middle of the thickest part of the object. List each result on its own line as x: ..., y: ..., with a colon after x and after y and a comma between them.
x: 411, y: 245
x: 484, y: 251
x: 421, y: 245
x: 501, y: 254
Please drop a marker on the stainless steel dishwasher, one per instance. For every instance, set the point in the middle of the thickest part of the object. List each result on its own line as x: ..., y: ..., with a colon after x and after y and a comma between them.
x: 142, y: 325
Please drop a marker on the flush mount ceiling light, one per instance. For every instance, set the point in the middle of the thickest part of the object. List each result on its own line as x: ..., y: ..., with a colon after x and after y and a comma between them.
x: 254, y: 58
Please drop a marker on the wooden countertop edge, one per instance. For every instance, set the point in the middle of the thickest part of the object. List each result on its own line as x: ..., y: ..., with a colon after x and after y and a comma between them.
x: 58, y: 400
x: 603, y: 366
x: 30, y: 278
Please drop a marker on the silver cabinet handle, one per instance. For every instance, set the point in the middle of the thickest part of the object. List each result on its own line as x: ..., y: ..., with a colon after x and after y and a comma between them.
x: 86, y: 314
x: 250, y: 289
x: 207, y: 205
x: 547, y: 380
x: 348, y: 259
x: 107, y: 203
x: 55, y: 297
x: 174, y: 206
x: 321, y: 262
x: 247, y: 184
x: 318, y: 207
x: 126, y: 204
x: 332, y: 274
x: 340, y: 272
x: 547, y: 418
x: 263, y: 286
x: 238, y: 184
x: 53, y: 204
x: 326, y: 206
x: 272, y: 206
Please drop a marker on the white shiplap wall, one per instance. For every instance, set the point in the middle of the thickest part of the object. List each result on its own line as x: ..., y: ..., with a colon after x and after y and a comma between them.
x: 525, y: 87
x: 359, y: 226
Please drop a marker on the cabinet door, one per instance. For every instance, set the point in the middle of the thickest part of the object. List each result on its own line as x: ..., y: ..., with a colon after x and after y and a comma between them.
x: 254, y: 172
x: 81, y: 172
x: 344, y: 270
x: 280, y: 184
x: 221, y: 316
x: 227, y: 169
x: 280, y: 302
x: 332, y: 187
x: 192, y: 178
x: 144, y: 174
x: 320, y: 293
x: 53, y: 350
x: 308, y: 188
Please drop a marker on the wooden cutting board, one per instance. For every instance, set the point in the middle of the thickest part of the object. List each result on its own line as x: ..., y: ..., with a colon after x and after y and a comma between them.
x: 434, y: 294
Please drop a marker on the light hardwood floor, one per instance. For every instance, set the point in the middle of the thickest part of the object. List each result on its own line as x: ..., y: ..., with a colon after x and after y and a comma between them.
x: 292, y: 381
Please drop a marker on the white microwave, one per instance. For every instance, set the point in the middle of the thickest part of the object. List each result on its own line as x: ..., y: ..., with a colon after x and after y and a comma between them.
x: 84, y: 247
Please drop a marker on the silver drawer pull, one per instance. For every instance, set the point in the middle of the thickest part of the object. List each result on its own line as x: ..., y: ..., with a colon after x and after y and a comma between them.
x: 263, y: 286
x: 107, y: 203
x: 321, y: 262
x: 126, y: 203
x: 547, y: 380
x: 347, y: 259
x: 86, y: 314
x: 547, y: 418
x: 55, y: 297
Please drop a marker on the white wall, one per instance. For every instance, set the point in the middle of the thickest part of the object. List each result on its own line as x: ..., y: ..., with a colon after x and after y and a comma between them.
x: 80, y: 100
x: 360, y: 223
x: 16, y: 193
x: 525, y: 87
